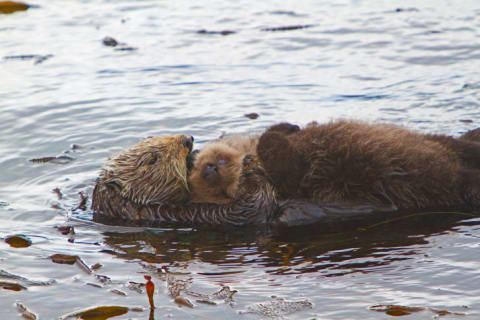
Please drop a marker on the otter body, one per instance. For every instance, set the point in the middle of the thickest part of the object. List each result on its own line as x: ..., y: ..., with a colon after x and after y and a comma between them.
x: 215, y: 176
x: 348, y: 161
x: 147, y: 185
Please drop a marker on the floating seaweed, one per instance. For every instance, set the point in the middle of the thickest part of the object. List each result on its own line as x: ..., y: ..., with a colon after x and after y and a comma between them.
x: 71, y: 259
x: 12, y: 6
x: 102, y: 312
x: 126, y: 48
x: 64, y: 229
x: 11, y: 286
x: 96, y: 266
x: 252, y: 115
x: 183, y: 302
x: 63, y: 159
x: 118, y: 292
x: 288, y: 28
x: 26, y: 314
x: 103, y: 279
x: 222, y: 32
x: 109, y: 42
x: 63, y: 258
x: 150, y: 287
x: 58, y: 193
x: 75, y: 146
x: 398, y: 310
x: 7, y: 275
x: 119, y: 46
x: 135, y: 286
x: 83, y: 202
x: 18, y: 241
x: 37, y: 58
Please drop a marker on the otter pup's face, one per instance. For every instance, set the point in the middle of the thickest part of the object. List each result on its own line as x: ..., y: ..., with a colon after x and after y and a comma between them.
x: 154, y: 171
x: 214, y: 177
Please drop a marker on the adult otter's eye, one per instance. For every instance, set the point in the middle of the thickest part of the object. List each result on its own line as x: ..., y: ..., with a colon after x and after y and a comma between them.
x: 153, y: 159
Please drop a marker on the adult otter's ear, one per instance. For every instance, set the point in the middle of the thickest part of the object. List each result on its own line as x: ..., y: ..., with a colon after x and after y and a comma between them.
x: 284, y: 128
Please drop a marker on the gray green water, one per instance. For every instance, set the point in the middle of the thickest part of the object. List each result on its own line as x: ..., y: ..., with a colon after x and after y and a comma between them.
x: 411, y: 63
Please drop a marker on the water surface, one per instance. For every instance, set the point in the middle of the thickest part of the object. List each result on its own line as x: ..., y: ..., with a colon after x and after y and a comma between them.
x: 415, y: 65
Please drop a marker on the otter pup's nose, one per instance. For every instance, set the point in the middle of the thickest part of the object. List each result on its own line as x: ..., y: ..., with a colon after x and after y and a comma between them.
x: 210, y: 172
x: 188, y: 142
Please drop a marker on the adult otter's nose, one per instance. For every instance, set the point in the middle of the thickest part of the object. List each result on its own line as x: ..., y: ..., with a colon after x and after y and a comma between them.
x: 188, y: 142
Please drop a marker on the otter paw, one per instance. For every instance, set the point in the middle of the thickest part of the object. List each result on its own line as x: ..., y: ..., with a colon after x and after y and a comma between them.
x: 250, y: 162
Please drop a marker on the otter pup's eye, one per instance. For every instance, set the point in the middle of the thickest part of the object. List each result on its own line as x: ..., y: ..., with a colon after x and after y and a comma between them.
x: 222, y: 162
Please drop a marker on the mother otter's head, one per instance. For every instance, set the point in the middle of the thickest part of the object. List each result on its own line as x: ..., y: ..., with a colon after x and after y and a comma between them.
x: 154, y: 171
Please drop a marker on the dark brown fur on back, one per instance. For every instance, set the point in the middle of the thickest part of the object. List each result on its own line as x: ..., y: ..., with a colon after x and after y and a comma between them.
x: 466, y: 148
x: 348, y: 161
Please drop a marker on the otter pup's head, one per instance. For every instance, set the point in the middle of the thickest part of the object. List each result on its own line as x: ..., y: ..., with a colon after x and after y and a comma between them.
x: 214, y: 177
x: 154, y: 171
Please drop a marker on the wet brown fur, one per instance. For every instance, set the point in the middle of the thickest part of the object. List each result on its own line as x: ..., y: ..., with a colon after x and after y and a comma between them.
x: 154, y: 171
x: 215, y: 176
x: 467, y: 147
x: 472, y: 135
x: 348, y: 161
x: 126, y: 193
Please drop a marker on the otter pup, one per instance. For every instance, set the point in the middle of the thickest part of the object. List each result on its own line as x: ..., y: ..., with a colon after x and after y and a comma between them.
x: 215, y: 175
x: 349, y: 161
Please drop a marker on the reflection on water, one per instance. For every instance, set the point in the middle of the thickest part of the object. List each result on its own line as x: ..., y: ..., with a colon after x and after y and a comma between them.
x: 298, y: 251
x: 66, y: 95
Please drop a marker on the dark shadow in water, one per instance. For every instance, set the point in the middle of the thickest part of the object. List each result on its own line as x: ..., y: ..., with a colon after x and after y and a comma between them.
x: 291, y: 251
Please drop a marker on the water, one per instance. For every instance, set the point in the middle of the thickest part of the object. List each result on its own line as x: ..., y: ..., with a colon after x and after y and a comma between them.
x: 415, y: 65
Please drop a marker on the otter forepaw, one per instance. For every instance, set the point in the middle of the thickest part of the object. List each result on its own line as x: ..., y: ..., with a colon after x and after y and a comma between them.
x: 250, y: 163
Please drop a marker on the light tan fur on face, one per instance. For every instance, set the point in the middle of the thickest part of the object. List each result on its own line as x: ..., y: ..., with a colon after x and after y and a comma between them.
x: 153, y: 171
x: 217, y: 169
